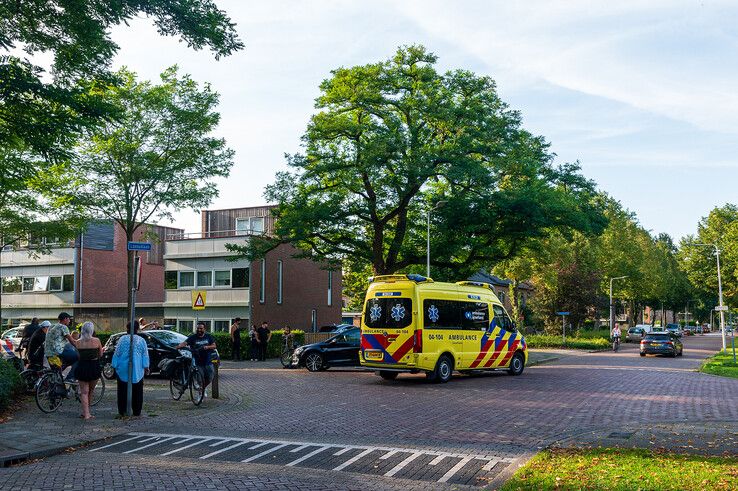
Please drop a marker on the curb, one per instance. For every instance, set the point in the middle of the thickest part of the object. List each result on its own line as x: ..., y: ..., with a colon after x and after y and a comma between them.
x: 542, y: 361
x: 12, y: 457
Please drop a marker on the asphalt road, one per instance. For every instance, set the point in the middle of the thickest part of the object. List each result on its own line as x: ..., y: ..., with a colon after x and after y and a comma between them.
x: 344, y: 429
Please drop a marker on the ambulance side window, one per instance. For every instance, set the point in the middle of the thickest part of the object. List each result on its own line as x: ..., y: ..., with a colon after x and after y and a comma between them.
x: 502, y: 318
x: 441, y: 314
x: 474, y: 315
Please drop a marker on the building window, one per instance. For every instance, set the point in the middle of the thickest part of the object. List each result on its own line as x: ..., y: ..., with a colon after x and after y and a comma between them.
x: 222, y: 278
x: 55, y: 283
x: 221, y: 326
x: 314, y: 320
x: 240, y: 278
x: 170, y: 280
x: 249, y: 225
x: 28, y: 284
x: 185, y: 325
x: 12, y: 284
x: 186, y: 279
x: 330, y: 288
x: 262, y: 282
x: 205, y: 278
x: 68, y: 282
x: 279, y: 281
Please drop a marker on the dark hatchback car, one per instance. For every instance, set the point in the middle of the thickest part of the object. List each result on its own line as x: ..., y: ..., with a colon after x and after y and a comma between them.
x: 339, y: 350
x: 662, y: 343
x: 161, y: 345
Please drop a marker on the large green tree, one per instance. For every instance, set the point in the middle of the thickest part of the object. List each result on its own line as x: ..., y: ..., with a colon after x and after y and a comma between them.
x: 160, y: 155
x: 42, y: 114
x: 392, y: 139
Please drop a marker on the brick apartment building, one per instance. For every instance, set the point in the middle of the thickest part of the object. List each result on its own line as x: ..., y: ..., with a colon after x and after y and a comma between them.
x: 279, y: 289
x: 86, y: 277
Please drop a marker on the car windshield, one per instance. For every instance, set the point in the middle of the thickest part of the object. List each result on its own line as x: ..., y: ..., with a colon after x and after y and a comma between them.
x: 169, y: 338
x: 658, y: 337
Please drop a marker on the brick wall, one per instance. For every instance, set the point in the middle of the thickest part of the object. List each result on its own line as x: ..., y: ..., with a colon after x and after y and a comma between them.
x: 305, y: 287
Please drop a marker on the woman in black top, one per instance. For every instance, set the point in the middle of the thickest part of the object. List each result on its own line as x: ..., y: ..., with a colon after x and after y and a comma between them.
x: 88, y: 368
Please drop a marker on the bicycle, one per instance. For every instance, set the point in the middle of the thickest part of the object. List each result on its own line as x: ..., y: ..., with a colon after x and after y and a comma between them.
x: 52, y: 389
x: 30, y: 377
x: 615, y: 343
x: 187, y: 375
x: 286, y: 357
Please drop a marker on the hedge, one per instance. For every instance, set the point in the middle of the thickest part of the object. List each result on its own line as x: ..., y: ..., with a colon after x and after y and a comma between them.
x: 10, y: 383
x: 225, y: 346
x: 549, y: 341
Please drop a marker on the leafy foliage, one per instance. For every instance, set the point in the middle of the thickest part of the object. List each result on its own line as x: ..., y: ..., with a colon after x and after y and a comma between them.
x: 392, y: 139
x: 10, y: 383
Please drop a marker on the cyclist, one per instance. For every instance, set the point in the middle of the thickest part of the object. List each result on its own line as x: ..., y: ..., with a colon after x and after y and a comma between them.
x: 60, y: 344
x: 202, y: 344
x: 288, y: 338
x: 615, y: 337
x: 36, y: 345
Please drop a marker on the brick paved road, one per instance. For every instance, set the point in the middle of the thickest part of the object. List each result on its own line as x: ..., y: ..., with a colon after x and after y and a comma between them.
x: 495, y: 416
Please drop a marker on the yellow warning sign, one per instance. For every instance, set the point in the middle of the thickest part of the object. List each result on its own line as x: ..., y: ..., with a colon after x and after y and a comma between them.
x: 198, y: 299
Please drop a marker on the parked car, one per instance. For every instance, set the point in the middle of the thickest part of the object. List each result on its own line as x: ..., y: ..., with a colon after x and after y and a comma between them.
x: 339, y: 350
x: 661, y: 343
x: 635, y: 334
x: 161, y: 344
x: 335, y: 328
x: 657, y: 329
x: 675, y: 329
x: 12, y: 336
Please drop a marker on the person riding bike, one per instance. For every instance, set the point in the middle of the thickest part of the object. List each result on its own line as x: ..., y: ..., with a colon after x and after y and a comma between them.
x: 201, y: 344
x: 59, y: 346
x: 616, y: 336
x: 36, y: 345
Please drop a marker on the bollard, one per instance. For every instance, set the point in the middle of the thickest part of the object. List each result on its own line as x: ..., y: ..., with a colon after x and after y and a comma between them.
x: 214, y: 384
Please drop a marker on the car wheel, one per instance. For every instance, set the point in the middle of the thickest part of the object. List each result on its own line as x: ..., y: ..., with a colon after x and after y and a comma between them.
x: 444, y: 369
x: 387, y: 375
x: 314, y: 362
x: 643, y: 354
x: 674, y: 354
x: 108, y: 371
x: 517, y: 364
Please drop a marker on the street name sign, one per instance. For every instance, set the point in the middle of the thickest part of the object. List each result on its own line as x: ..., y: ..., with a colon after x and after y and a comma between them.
x: 563, y: 313
x: 721, y: 308
x: 139, y: 246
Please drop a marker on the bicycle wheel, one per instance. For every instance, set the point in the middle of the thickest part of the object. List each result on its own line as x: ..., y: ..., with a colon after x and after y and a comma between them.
x: 176, y: 389
x: 98, y: 392
x: 197, y: 387
x: 47, y: 398
x: 286, y: 358
x: 29, y: 378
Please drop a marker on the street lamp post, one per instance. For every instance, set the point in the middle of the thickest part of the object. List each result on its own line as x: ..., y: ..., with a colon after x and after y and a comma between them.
x: 612, y: 306
x: 427, y: 251
x: 721, y: 307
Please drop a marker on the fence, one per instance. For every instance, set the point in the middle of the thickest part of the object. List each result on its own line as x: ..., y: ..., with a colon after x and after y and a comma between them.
x: 316, y: 337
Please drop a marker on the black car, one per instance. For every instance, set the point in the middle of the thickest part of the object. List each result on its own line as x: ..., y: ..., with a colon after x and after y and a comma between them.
x: 339, y: 350
x: 662, y: 343
x: 161, y: 345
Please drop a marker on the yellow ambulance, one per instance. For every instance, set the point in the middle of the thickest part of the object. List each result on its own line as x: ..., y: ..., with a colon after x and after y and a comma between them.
x: 412, y: 324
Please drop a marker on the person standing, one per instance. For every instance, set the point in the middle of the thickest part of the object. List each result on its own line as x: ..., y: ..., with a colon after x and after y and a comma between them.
x: 140, y: 368
x: 60, y: 343
x: 236, y: 338
x: 88, y: 368
x: 202, y: 345
x: 254, y: 343
x: 36, y: 345
x: 263, y: 334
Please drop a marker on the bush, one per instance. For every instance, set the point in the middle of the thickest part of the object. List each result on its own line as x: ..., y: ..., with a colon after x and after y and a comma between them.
x: 274, y: 349
x: 549, y: 341
x: 10, y: 383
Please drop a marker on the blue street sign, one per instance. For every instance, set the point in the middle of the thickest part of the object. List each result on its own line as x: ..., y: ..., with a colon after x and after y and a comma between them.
x: 563, y: 313
x: 139, y: 246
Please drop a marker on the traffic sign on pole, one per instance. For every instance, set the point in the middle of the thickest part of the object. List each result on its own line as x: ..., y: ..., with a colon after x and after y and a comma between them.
x: 139, y: 246
x: 198, y: 299
x: 563, y: 313
x: 721, y: 308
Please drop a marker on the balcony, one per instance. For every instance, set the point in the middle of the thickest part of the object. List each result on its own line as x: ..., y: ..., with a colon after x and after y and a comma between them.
x: 59, y: 300
x: 225, y: 297
x: 186, y: 248
x: 18, y: 258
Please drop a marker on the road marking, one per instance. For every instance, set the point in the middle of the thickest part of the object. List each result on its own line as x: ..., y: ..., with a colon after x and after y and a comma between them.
x: 489, y: 465
x: 149, y: 439
x: 186, y: 447
x: 259, y: 445
x: 437, y: 460
x: 307, y: 456
x: 118, y: 443
x: 388, y: 455
x: 342, y: 451
x: 238, y: 444
x: 150, y: 444
x: 402, y: 464
x: 455, y: 469
x: 354, y: 459
x: 220, y: 442
x: 301, y: 447
x: 265, y: 452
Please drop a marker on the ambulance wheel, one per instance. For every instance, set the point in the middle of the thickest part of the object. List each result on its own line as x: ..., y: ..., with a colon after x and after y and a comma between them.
x: 444, y: 370
x: 387, y: 375
x: 517, y: 364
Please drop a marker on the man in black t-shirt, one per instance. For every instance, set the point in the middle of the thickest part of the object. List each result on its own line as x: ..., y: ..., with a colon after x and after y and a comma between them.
x: 202, y: 344
x: 263, y: 335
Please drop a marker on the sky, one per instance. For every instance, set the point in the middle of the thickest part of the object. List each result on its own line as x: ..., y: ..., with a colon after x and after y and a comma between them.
x: 642, y: 94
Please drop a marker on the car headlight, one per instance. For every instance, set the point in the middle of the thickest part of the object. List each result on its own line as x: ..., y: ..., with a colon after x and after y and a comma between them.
x: 298, y: 351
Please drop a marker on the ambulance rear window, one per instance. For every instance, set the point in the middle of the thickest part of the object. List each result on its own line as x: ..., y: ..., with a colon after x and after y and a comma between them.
x: 388, y: 313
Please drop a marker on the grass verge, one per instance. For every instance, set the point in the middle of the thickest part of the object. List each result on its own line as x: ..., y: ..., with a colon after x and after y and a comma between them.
x: 721, y: 364
x: 550, y: 341
x: 624, y: 469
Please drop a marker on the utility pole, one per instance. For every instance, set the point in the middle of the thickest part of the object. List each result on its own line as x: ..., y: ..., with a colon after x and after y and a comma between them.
x: 721, y: 307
